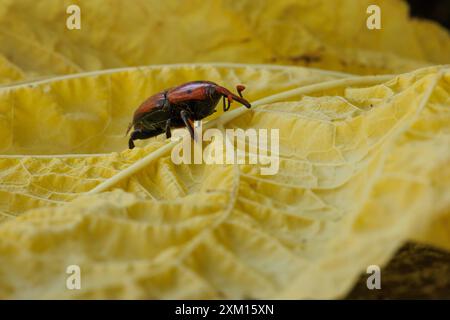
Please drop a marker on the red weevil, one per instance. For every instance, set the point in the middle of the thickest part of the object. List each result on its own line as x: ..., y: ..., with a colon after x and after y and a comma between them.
x: 178, y: 107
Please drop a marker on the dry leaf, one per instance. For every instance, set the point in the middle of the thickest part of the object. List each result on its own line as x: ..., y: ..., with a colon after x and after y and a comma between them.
x: 364, y: 160
x: 76, y: 124
x: 360, y: 172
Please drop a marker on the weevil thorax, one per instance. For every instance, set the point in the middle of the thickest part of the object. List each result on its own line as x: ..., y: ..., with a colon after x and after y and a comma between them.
x: 191, y: 91
x: 199, y: 97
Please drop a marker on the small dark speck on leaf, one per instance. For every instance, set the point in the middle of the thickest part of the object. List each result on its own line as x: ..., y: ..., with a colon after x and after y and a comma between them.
x: 306, y: 58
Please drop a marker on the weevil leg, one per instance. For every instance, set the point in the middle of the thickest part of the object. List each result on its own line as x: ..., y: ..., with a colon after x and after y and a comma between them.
x: 187, y: 122
x: 229, y: 102
x: 141, y: 134
x: 168, y: 132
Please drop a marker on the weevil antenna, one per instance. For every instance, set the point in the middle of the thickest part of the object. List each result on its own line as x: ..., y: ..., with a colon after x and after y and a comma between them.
x: 239, y: 89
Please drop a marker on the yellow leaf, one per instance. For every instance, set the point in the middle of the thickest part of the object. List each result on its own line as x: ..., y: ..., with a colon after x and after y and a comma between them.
x: 76, y: 124
x: 359, y: 160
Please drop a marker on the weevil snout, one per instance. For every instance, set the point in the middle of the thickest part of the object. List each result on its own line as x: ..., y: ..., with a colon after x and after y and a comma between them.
x: 233, y: 97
